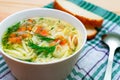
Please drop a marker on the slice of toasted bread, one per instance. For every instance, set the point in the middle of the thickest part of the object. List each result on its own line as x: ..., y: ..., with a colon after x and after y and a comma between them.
x: 91, y: 32
x: 88, y: 18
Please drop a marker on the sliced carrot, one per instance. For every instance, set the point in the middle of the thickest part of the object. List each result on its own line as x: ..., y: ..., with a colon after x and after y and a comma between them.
x: 59, y: 38
x: 22, y: 29
x: 12, y: 40
x: 29, y: 28
x: 41, y: 31
x: 13, y: 35
x: 25, y: 35
x: 56, y: 40
x: 44, y: 32
x: 63, y: 42
x: 30, y: 20
x: 39, y: 28
x: 15, y: 39
x: 18, y: 39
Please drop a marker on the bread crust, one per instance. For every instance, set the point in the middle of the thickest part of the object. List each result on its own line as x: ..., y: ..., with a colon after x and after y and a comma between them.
x: 90, y: 24
x: 59, y: 7
x: 91, y: 32
x: 84, y: 20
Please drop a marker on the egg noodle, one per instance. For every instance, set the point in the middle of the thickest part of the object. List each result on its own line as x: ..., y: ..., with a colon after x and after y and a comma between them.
x: 41, y: 39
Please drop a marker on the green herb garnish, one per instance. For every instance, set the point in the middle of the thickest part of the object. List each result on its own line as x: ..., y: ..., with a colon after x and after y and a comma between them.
x: 13, y: 28
x: 52, y: 28
x: 44, y: 38
x: 8, y: 32
x: 40, y: 49
x: 41, y: 18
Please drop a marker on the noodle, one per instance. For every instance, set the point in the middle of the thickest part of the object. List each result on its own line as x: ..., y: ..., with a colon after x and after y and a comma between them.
x: 41, y: 39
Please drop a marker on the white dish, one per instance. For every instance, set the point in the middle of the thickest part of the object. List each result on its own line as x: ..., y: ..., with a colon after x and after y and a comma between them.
x: 57, y: 70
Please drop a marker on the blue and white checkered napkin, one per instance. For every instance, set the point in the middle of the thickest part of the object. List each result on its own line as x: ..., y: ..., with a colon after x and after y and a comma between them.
x: 92, y: 62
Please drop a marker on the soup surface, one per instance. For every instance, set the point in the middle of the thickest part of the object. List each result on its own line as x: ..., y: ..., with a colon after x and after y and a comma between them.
x: 41, y: 39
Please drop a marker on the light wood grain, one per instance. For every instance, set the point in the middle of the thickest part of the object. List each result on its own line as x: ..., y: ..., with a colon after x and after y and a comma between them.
x: 111, y: 5
x: 8, y: 7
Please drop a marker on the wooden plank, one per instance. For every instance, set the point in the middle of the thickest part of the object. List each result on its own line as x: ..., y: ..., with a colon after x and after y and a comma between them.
x: 8, y: 7
x: 111, y: 5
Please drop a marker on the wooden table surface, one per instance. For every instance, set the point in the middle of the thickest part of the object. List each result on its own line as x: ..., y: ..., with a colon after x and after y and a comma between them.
x: 8, y: 7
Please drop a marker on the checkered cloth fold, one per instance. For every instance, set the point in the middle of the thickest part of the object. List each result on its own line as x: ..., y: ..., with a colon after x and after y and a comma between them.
x: 91, y: 64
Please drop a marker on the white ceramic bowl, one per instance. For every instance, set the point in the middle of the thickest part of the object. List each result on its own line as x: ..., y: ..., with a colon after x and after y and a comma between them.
x: 58, y: 70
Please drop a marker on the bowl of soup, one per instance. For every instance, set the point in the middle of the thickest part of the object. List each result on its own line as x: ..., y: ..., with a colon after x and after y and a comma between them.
x: 41, y: 43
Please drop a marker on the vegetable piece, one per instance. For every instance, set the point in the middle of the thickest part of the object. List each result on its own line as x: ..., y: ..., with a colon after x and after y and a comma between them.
x: 40, y: 49
x: 62, y: 40
x: 39, y: 28
x: 9, y: 31
x: 13, y: 35
x: 45, y: 38
x: 13, y: 28
x: 15, y: 39
x: 30, y: 20
x: 44, y: 32
x: 41, y: 31
x: 29, y: 28
x: 22, y: 29
x: 25, y: 35
x: 41, y: 18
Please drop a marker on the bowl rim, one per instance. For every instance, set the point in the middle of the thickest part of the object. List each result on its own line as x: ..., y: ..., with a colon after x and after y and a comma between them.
x: 51, y: 62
